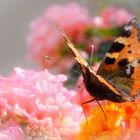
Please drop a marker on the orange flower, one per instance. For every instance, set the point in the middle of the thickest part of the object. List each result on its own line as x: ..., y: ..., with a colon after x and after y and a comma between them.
x: 122, y: 123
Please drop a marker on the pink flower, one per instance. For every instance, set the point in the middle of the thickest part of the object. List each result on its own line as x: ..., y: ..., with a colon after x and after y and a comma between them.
x: 39, y: 104
x: 11, y: 131
x: 44, y: 37
x: 112, y: 16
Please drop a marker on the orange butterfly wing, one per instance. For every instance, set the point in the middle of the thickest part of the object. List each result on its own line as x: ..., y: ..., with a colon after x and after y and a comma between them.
x: 98, y: 87
x: 121, y: 65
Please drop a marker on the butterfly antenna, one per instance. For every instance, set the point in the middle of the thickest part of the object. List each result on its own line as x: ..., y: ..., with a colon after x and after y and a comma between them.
x: 91, y: 60
x: 102, y: 110
x: 47, y: 57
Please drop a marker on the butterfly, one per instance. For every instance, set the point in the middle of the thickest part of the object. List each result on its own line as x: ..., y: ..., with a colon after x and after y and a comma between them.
x: 118, y: 76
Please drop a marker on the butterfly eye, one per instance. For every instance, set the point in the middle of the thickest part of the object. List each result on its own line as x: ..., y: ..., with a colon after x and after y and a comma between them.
x: 80, y: 87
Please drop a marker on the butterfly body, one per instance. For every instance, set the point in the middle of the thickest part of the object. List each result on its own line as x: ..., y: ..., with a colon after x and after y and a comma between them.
x: 118, y: 76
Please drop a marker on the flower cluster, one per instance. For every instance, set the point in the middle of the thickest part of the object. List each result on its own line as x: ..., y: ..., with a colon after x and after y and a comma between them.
x: 121, y: 123
x: 46, y: 39
x: 36, y: 105
x: 112, y: 16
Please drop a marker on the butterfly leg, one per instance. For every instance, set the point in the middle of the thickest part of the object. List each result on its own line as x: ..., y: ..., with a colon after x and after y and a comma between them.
x: 102, y: 110
x: 86, y: 102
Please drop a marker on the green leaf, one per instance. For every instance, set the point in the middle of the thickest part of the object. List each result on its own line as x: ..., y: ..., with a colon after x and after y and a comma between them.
x: 103, y: 32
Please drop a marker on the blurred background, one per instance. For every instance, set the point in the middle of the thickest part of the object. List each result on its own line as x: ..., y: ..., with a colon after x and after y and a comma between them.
x: 15, y: 16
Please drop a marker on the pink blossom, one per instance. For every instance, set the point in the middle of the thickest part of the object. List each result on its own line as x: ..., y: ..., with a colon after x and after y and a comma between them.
x: 112, y: 16
x: 11, y: 131
x: 38, y: 102
x: 44, y: 37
